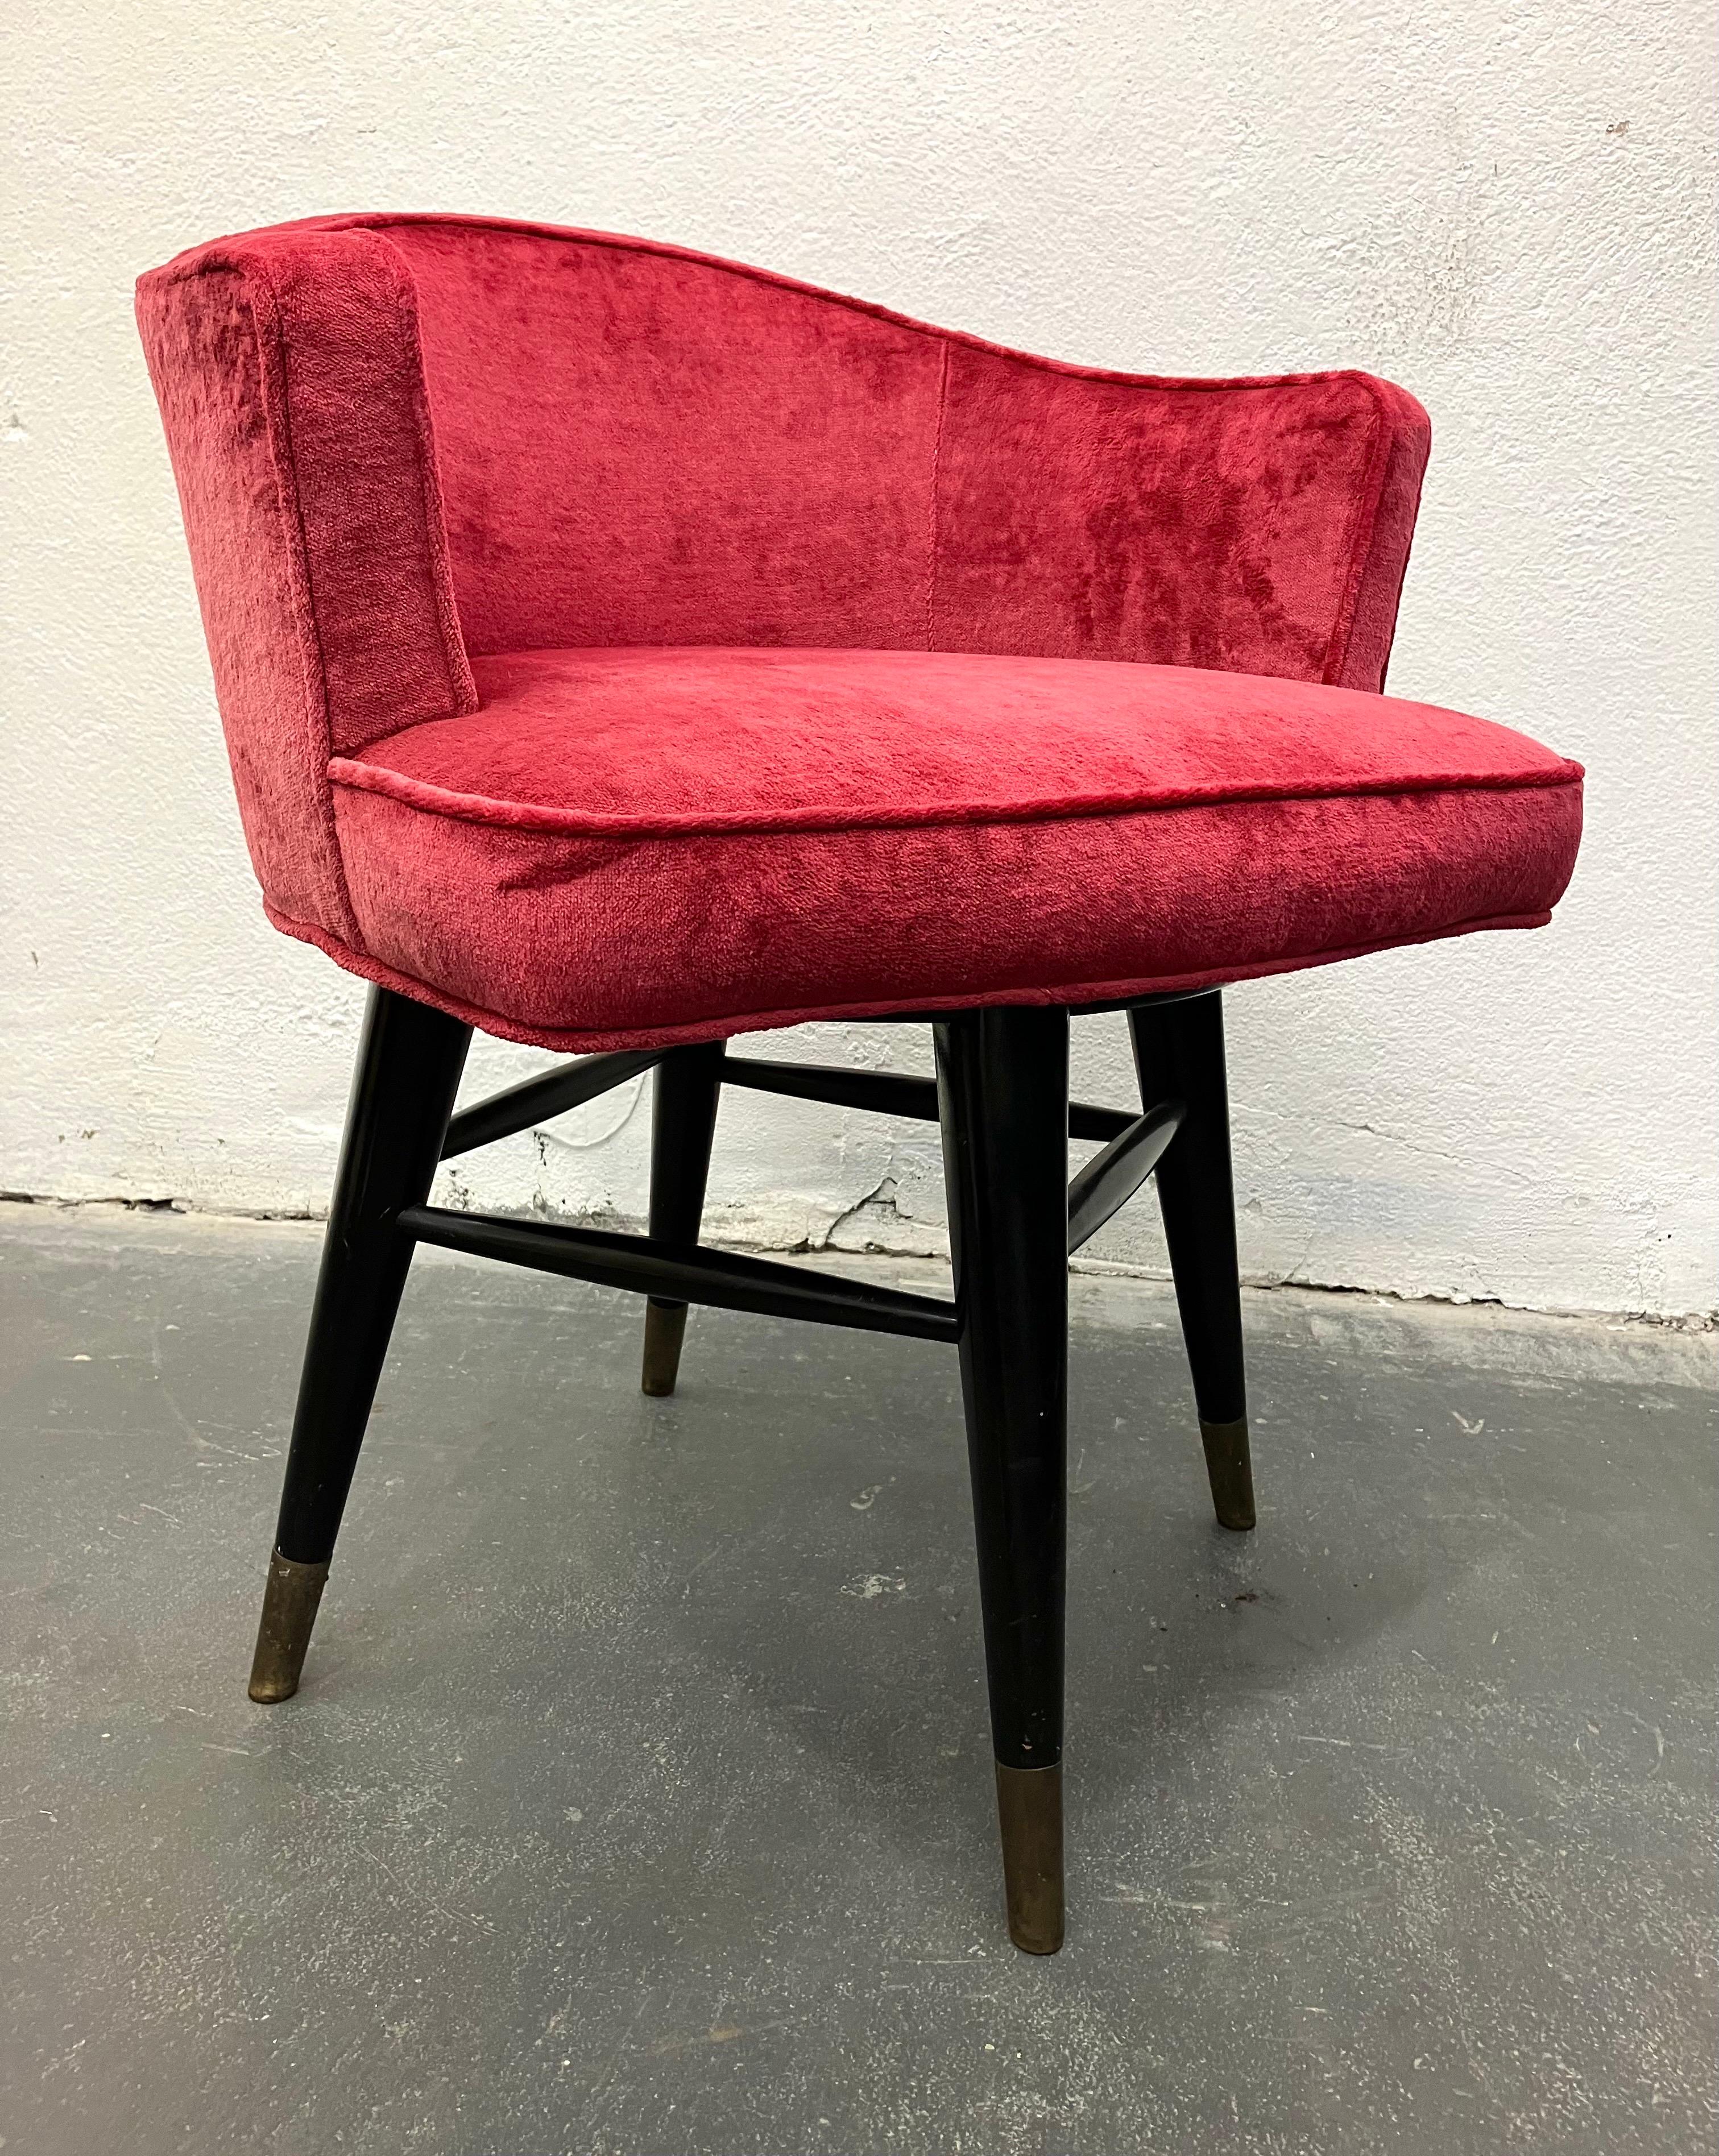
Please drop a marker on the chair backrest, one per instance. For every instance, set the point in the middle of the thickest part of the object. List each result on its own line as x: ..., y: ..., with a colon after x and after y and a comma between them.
x: 400, y: 440
x: 640, y: 445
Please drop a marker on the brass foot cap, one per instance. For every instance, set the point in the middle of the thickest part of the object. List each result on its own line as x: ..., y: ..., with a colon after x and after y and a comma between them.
x: 1029, y: 1815
x: 664, y: 1330
x: 1231, y: 1470
x: 290, y: 1602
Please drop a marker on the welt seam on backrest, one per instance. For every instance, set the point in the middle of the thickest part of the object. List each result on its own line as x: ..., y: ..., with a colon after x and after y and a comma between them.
x: 931, y: 580
x: 624, y: 243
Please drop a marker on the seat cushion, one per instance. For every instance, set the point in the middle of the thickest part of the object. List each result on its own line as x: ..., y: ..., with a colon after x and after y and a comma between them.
x: 642, y: 845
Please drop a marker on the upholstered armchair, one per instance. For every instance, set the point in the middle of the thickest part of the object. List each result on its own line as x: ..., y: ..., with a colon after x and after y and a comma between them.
x: 620, y: 649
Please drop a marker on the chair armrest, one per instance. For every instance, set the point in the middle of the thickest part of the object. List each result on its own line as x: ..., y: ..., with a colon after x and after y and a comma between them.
x: 1259, y: 526
x: 288, y: 371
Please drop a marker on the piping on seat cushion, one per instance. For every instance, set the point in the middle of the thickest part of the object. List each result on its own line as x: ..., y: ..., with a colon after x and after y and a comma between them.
x: 647, y: 845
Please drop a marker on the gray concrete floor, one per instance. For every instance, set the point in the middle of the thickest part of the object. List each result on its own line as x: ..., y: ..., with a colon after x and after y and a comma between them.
x: 637, y: 1798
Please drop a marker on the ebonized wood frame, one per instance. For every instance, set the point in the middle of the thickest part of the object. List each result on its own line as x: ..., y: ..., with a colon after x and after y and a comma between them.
x: 1000, y: 1098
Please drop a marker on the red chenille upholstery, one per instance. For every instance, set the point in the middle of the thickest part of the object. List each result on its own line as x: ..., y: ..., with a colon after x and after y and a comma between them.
x: 619, y: 647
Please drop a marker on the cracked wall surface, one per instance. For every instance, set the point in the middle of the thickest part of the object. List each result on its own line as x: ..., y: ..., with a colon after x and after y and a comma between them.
x: 1506, y: 210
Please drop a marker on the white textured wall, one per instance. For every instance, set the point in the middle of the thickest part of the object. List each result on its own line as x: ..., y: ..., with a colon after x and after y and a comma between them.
x: 1506, y: 208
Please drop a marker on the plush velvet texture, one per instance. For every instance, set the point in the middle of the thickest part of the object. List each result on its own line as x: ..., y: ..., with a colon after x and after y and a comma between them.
x: 630, y: 844
x: 641, y: 448
x: 1231, y: 525
x: 400, y: 441
x: 289, y: 377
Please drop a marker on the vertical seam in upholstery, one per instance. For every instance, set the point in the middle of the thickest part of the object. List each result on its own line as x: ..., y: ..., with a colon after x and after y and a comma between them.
x: 931, y: 580
x: 277, y: 411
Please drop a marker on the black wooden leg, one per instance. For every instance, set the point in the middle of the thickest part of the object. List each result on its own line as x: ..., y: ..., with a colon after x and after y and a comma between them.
x: 1179, y: 1050
x: 689, y: 1090
x: 409, y: 1063
x: 1002, y: 1093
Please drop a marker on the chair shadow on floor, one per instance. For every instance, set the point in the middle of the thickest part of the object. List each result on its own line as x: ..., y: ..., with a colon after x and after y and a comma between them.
x: 791, y: 1536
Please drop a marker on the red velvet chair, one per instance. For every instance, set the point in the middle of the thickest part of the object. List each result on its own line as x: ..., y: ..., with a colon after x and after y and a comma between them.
x: 620, y: 649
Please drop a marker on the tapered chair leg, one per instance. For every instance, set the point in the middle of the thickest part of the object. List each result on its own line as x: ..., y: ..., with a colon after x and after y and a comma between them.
x: 1178, y: 1052
x: 1003, y: 1088
x: 409, y: 1063
x: 688, y: 1090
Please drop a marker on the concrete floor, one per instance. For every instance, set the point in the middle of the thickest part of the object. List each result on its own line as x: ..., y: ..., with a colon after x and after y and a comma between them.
x: 637, y: 1798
